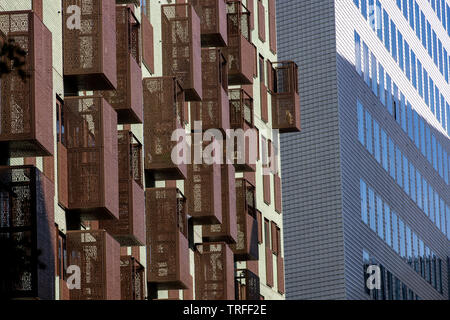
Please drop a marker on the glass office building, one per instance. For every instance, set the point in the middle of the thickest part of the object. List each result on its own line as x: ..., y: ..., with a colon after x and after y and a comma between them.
x: 366, y: 182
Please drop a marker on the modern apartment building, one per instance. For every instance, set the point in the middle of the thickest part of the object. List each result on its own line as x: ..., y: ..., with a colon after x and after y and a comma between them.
x: 366, y: 182
x: 92, y: 203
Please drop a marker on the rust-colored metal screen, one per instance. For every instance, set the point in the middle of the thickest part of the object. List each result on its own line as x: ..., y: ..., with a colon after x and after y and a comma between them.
x: 26, y: 105
x: 163, y: 114
x: 247, y: 285
x: 213, y: 18
x: 27, y: 235
x: 280, y: 274
x: 269, y: 266
x: 277, y: 191
x: 181, y: 48
x: 240, y: 63
x: 251, y: 7
x: 272, y: 27
x: 227, y: 230
x: 130, y: 229
x: 213, y: 111
x: 286, y: 101
x: 263, y: 101
x: 266, y: 189
x: 90, y: 48
x: 204, y: 193
x: 261, y: 22
x: 132, y: 282
x: 246, y: 247
x: 97, y: 255
x: 241, y: 109
x: 92, y: 157
x: 167, y: 244
x: 127, y: 98
x: 63, y: 184
x: 148, y: 51
x: 214, y: 272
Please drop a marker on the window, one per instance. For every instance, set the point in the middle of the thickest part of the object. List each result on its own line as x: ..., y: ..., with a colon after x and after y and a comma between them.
x: 412, y: 181
x: 395, y: 232
x: 400, y: 51
x: 428, y: 143
x: 423, y: 27
x: 411, y: 14
x: 405, y: 175
x: 382, y: 88
x: 440, y: 166
x: 372, y: 210
x: 380, y: 224
x: 403, y: 111
x: 419, y: 189
x: 396, y: 105
x: 387, y: 37
x: 432, y: 95
x: 407, y: 61
x: 416, y: 129
x: 364, y: 8
x: 422, y: 136
x: 441, y: 64
x: 445, y: 165
x: 360, y: 122
x: 363, y: 196
x: 431, y: 202
x: 405, y: 9
x: 408, y: 245
x: 435, y: 54
x: 358, y: 53
x: 409, y: 116
x: 266, y: 233
x: 374, y: 74
x: 419, y: 78
x: 399, y: 166
x: 430, y: 49
x: 394, y: 40
x: 425, y: 87
x: 369, y: 132
x: 437, y: 211
x: 60, y: 135
x: 413, y: 69
x: 392, y: 158
x: 384, y: 151
x: 366, y: 64
x: 401, y: 233
x: 378, y: 18
x: 387, y: 223
x: 417, y: 16
x: 389, y: 93
x: 376, y: 139
x: 434, y: 147
x: 425, y: 196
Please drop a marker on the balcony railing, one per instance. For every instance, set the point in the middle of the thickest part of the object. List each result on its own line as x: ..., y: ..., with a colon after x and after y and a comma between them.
x: 227, y: 230
x: 127, y: 98
x: 204, y: 193
x: 26, y: 105
x: 213, y: 110
x: 241, y: 53
x: 97, y: 255
x: 213, y: 19
x: 132, y: 279
x: 241, y: 109
x: 130, y: 229
x: 163, y: 114
x: 90, y: 47
x: 247, y: 285
x: 181, y: 48
x: 246, y: 247
x: 285, y: 99
x: 27, y: 233
x: 214, y: 272
x: 92, y: 157
x: 167, y: 243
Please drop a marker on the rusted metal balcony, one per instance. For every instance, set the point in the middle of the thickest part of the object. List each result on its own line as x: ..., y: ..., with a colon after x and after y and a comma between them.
x: 285, y: 99
x: 89, y: 48
x: 241, y: 53
x: 92, y: 158
x: 181, y: 48
x: 213, y: 19
x: 26, y: 105
x: 130, y: 229
x: 132, y: 279
x: 214, y: 272
x: 241, y: 118
x: 27, y: 233
x: 246, y: 247
x: 213, y: 110
x: 163, y: 114
x: 227, y: 230
x: 247, y: 285
x: 204, y: 193
x: 167, y: 243
x: 127, y: 98
x: 97, y: 255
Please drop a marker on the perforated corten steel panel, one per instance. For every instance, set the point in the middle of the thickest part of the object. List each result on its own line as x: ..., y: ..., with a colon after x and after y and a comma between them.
x: 63, y: 192
x: 285, y: 100
x: 92, y: 157
x: 90, y: 49
x: 213, y: 18
x: 240, y: 51
x: 213, y: 111
x: 26, y: 105
x: 148, y: 51
x: 127, y: 98
x: 227, y: 230
x: 130, y: 229
x: 280, y: 274
x: 27, y: 235
x: 261, y: 22
x: 241, y: 109
x: 277, y: 193
x: 269, y: 266
x: 272, y: 27
x: 214, y: 272
x: 167, y: 243
x: 246, y: 247
x: 132, y: 282
x: 181, y: 48
x: 98, y: 256
x: 163, y: 114
x: 204, y: 193
x: 247, y: 285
